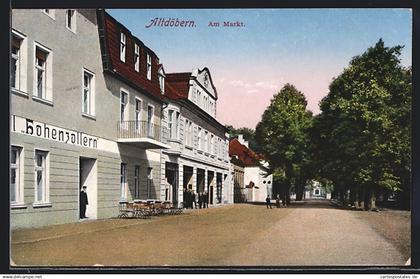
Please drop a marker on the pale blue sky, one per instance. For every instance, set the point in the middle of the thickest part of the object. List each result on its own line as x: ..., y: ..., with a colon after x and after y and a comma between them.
x: 306, y: 47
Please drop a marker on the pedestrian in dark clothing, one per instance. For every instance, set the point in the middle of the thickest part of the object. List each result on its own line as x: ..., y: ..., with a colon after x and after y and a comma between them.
x: 193, y: 201
x: 190, y: 200
x: 268, y: 202
x: 278, y: 201
x: 83, y: 203
x: 206, y: 199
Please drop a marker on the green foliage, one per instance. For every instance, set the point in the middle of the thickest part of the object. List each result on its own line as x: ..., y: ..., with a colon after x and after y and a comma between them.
x: 283, y: 135
x: 363, y: 134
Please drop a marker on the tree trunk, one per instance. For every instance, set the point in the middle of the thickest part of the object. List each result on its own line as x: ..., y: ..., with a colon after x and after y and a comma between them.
x: 367, y: 198
x: 342, y: 196
x: 362, y: 198
x: 356, y: 198
x: 299, y: 192
x: 288, y: 195
x: 351, y: 198
x: 372, y: 199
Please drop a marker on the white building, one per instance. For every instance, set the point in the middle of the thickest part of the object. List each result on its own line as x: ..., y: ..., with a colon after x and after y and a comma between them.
x: 198, y: 160
x: 258, y: 183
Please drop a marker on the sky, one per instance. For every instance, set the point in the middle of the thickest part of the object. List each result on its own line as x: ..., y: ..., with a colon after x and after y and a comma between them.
x: 251, y: 63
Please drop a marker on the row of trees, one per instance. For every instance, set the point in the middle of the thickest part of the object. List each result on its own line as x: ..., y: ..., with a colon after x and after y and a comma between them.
x: 360, y: 142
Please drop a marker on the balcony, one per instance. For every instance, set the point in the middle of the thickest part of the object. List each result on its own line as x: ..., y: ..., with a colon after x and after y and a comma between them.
x: 142, y: 134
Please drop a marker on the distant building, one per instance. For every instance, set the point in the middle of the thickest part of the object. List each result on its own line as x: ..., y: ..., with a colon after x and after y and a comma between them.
x: 198, y: 159
x: 250, y: 167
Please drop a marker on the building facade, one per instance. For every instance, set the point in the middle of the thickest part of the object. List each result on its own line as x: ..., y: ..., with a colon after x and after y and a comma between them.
x: 252, y: 181
x: 198, y: 160
x: 85, y: 111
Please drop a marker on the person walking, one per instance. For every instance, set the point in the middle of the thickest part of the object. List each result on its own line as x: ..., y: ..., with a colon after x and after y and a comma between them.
x: 83, y: 202
x: 268, y: 202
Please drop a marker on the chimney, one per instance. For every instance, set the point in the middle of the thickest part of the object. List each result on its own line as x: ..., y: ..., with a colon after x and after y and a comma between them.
x: 242, y: 140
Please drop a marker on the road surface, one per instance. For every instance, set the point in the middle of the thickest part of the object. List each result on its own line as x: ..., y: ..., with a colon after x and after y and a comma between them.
x: 312, y: 233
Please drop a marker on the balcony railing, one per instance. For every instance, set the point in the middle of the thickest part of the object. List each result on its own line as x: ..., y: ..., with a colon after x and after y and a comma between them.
x: 138, y: 129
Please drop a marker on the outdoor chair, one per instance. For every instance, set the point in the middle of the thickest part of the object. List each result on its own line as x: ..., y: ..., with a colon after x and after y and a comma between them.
x: 125, y: 209
x: 142, y: 210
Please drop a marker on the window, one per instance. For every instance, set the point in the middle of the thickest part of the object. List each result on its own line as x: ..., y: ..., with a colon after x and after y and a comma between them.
x: 16, y: 189
x: 219, y: 147
x: 188, y: 133
x: 206, y: 141
x: 49, y: 12
x: 41, y: 177
x: 136, y: 57
x: 71, y: 20
x: 170, y: 123
x: 150, y: 112
x: 136, y: 182
x: 18, y: 61
x: 15, y: 67
x: 177, y: 125
x: 149, y: 67
x: 162, y: 82
x: 199, y: 139
x: 173, y: 124
x: 123, y: 182
x: 191, y: 135
x: 149, y: 182
x: 88, y: 100
x: 122, y: 47
x: 42, y: 73
x: 123, y: 105
x: 40, y: 68
x: 211, y: 144
x: 138, y: 115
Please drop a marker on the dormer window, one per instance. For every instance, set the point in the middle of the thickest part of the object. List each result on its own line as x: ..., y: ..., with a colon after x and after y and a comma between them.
x: 136, y: 58
x: 122, y: 47
x: 162, y: 80
x: 71, y: 20
x: 149, y: 67
x: 49, y: 12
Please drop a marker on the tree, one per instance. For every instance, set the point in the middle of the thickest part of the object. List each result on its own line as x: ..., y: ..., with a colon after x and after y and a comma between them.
x: 283, y: 137
x: 363, y: 133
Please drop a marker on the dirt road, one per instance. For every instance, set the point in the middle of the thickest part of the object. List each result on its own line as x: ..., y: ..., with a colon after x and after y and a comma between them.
x: 310, y: 233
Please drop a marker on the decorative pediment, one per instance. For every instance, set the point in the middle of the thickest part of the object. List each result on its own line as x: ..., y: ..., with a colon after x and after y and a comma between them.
x: 203, y: 77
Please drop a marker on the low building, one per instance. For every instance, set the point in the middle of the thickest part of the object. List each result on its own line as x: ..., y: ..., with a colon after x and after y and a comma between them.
x: 86, y: 107
x: 257, y: 183
x: 197, y: 161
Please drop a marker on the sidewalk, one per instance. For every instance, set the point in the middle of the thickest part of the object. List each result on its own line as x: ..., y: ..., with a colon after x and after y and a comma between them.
x: 31, y: 235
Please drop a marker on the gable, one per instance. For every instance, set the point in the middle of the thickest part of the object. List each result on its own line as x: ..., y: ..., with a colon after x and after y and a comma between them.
x: 203, y: 77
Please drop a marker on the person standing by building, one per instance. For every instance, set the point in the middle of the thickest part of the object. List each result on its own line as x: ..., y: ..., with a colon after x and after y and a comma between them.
x: 193, y: 201
x: 83, y: 202
x: 268, y: 202
x: 206, y: 199
x: 278, y: 201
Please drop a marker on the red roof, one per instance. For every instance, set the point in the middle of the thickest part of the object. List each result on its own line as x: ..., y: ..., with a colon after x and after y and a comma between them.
x: 111, y: 29
x: 245, y: 155
x: 180, y: 83
x: 171, y: 92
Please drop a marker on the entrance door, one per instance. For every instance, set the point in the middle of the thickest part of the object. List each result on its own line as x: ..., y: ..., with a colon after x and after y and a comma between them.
x: 88, y: 177
x: 219, y: 187
x: 211, y: 194
x: 171, y: 174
